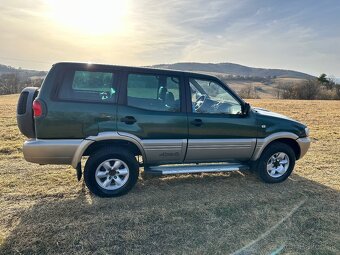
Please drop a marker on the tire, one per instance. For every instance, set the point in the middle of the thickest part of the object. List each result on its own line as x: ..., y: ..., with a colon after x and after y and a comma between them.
x: 111, y: 172
x: 276, y: 163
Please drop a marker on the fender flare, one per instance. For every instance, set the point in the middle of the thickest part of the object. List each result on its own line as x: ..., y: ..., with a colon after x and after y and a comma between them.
x: 262, y: 143
x: 102, y: 137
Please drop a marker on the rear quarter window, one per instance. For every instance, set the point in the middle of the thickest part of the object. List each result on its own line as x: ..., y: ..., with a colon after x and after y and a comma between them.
x: 90, y: 86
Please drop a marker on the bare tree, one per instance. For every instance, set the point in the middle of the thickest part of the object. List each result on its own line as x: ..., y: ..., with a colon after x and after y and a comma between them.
x: 12, y: 83
x: 308, y: 90
x: 249, y: 92
x: 337, y: 91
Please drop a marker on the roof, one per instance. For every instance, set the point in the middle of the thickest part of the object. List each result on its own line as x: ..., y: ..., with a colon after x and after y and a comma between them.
x: 138, y: 69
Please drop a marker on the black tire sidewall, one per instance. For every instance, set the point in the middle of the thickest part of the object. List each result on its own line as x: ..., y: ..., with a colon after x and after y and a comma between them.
x: 267, y: 153
x: 110, y: 153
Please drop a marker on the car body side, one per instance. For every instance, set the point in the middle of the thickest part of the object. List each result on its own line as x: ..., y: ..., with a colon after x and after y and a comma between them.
x: 69, y: 130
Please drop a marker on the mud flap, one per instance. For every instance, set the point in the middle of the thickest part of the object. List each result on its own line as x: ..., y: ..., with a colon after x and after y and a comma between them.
x: 79, y: 172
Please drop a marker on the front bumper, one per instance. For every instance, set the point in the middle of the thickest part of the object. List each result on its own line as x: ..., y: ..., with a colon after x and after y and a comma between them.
x: 304, y: 144
x: 48, y: 151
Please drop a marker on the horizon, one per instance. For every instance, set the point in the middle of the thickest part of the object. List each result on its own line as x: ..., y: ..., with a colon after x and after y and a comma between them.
x: 290, y: 36
x: 184, y: 62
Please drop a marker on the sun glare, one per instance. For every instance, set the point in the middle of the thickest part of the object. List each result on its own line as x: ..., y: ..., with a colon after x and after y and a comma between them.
x: 101, y: 17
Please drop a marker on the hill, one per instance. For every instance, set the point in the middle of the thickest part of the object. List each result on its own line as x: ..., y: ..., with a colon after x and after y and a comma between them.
x: 235, y: 70
x: 218, y: 68
x: 22, y: 73
x: 249, y: 82
x: 263, y: 82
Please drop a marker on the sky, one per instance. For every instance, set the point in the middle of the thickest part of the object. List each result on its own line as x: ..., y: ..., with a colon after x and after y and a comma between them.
x: 302, y: 35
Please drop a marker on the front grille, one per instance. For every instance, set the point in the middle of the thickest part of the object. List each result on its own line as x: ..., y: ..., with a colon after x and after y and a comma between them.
x: 22, y: 103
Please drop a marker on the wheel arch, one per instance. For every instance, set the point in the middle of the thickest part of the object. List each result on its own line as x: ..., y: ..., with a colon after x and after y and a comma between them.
x: 291, y: 143
x: 93, y: 143
x: 112, y: 142
x: 283, y: 137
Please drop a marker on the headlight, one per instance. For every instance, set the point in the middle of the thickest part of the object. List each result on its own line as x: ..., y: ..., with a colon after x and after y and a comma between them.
x: 307, y: 131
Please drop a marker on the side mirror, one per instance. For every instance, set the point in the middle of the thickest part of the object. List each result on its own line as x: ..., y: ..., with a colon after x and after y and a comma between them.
x: 246, y: 108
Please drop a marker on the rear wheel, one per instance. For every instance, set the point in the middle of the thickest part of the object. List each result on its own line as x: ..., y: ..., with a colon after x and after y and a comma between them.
x: 111, y: 172
x: 276, y: 163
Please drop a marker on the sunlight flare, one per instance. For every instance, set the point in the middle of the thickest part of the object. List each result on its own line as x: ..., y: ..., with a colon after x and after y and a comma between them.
x: 101, y: 17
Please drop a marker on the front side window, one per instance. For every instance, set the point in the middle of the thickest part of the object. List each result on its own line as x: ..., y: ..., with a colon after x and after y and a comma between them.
x: 211, y: 97
x: 92, y: 86
x: 153, y: 92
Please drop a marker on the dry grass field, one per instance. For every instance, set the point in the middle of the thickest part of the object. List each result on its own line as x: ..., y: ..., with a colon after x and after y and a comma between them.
x: 265, y: 91
x: 44, y: 210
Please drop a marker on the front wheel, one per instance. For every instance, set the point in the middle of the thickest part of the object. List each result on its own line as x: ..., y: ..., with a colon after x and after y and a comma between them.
x: 276, y: 163
x: 111, y: 172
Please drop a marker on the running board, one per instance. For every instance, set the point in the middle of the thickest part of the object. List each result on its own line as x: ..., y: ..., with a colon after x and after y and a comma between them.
x: 190, y: 169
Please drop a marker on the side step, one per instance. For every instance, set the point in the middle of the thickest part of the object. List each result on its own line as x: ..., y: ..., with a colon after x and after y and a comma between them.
x: 190, y: 169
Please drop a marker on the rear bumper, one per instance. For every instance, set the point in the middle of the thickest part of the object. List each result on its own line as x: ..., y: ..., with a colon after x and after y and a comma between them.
x: 304, y: 144
x: 48, y: 151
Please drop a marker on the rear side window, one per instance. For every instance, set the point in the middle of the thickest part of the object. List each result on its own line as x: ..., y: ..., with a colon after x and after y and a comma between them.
x: 91, y: 86
x: 154, y: 92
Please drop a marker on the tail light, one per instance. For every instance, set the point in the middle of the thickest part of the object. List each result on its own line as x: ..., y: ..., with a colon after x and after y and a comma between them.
x: 37, y: 108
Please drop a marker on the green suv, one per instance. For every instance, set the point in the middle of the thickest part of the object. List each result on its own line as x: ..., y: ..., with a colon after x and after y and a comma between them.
x: 169, y: 122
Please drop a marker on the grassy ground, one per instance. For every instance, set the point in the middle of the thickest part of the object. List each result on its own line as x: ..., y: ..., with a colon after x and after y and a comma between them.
x: 263, y: 90
x: 43, y: 209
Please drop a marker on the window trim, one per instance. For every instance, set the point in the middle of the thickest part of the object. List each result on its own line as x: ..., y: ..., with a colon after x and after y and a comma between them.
x: 123, y: 95
x: 61, y: 76
x: 219, y: 82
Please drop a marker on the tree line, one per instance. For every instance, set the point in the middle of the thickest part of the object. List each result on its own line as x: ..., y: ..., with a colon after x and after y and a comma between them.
x: 322, y: 88
x: 13, y: 83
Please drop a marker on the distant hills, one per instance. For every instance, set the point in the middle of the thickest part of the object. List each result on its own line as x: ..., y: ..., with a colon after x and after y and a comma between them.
x: 234, y: 70
x: 218, y: 68
x: 23, y: 74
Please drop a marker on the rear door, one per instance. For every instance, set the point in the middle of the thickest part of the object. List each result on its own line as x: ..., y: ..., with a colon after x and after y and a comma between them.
x: 217, y: 129
x: 151, y: 108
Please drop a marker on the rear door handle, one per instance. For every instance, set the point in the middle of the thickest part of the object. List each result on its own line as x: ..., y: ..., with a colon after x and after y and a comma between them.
x: 197, y: 122
x: 128, y: 120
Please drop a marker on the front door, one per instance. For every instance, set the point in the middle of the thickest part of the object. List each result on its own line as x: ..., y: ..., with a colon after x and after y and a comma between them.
x: 218, y: 131
x: 152, y: 109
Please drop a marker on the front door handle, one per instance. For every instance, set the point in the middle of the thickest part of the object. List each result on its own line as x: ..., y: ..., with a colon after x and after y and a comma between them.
x: 197, y: 122
x: 128, y: 120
